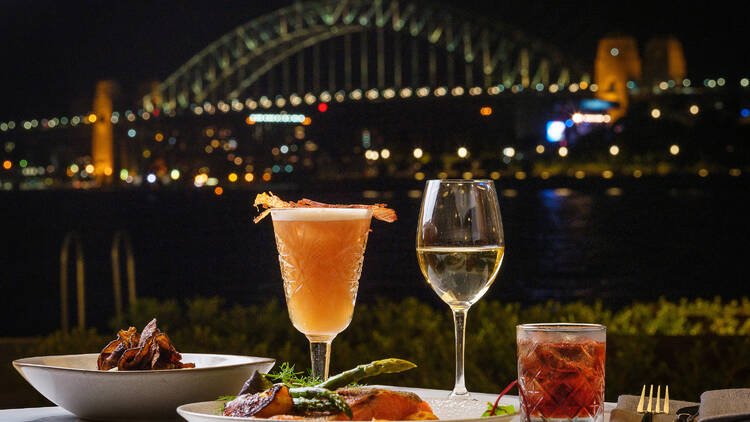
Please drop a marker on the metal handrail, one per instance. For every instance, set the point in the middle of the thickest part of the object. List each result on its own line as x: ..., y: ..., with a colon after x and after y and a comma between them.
x: 80, y: 281
x: 121, y: 235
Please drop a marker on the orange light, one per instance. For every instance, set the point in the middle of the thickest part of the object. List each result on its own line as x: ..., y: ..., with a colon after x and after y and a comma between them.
x: 249, y: 177
x: 108, y: 171
x: 92, y: 118
x: 485, y: 111
x: 307, y: 121
x: 218, y: 190
x: 266, y: 177
x: 7, y: 164
x: 249, y: 121
x: 159, y: 137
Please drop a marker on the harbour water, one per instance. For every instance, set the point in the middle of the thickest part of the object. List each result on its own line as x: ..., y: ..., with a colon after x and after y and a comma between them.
x: 611, y: 240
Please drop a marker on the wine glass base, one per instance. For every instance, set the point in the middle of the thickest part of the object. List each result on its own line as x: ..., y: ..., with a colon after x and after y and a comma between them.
x: 465, y: 395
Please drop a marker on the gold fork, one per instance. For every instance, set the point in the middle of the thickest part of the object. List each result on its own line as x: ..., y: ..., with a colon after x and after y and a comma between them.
x: 650, y: 410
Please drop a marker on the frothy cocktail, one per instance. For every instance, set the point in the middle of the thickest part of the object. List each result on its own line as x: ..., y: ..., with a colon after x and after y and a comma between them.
x: 320, y: 253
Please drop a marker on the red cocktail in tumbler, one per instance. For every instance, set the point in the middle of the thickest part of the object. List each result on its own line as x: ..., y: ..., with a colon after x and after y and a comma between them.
x: 561, y: 371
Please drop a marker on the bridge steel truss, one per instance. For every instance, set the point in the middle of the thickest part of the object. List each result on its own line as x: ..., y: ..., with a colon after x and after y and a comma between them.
x: 411, y: 44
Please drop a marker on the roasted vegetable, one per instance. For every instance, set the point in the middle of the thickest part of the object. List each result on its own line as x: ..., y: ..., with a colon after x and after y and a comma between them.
x: 149, y: 350
x: 274, y: 401
x: 317, y: 393
x: 255, y: 384
x: 383, y: 366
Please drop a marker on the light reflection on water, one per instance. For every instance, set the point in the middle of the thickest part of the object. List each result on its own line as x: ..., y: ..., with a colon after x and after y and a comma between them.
x: 577, y: 242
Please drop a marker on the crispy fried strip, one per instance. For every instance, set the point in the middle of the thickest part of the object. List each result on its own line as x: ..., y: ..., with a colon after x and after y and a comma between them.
x: 151, y: 350
x: 269, y: 201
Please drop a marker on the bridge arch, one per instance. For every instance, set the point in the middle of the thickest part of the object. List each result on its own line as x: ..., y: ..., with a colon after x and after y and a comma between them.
x: 371, y: 44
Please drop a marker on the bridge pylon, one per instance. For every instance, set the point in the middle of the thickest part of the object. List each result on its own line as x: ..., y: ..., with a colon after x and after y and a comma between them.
x: 102, y: 144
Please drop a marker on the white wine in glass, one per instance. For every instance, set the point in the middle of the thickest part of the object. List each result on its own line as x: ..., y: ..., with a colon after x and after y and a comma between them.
x: 460, y: 247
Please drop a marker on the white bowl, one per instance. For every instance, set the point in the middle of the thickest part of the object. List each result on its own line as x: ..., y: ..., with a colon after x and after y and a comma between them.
x: 73, y: 383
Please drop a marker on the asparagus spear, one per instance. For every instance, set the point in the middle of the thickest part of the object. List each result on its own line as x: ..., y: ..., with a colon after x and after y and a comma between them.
x: 313, y: 396
x: 383, y: 366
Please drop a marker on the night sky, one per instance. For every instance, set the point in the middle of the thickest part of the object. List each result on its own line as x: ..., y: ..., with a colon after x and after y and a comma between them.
x: 53, y: 52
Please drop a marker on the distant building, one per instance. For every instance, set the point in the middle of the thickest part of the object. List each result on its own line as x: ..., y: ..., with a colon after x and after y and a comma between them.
x: 617, y: 63
x: 663, y: 60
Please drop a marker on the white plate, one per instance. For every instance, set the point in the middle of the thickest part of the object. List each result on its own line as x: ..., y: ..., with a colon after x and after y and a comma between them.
x: 444, y: 408
x: 73, y: 383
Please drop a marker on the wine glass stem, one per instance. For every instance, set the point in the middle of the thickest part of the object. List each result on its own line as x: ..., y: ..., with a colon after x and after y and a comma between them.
x: 459, y: 322
x: 320, y: 352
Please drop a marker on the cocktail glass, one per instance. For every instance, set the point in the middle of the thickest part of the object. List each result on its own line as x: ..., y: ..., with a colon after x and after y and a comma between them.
x: 320, y: 253
x: 561, y: 371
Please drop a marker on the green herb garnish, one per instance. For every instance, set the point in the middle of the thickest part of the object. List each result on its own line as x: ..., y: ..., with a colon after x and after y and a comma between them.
x: 291, y: 378
x: 499, y: 410
x: 226, y: 398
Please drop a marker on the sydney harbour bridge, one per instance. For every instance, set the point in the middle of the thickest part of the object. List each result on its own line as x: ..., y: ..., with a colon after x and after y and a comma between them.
x: 327, y: 87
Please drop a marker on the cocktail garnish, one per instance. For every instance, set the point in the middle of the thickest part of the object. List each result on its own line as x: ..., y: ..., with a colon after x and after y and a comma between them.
x: 269, y: 201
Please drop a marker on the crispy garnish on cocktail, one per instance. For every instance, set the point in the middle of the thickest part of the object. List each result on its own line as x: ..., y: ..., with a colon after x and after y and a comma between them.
x: 269, y: 201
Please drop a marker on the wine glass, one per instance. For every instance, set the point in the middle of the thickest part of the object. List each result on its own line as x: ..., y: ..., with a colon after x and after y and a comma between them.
x: 460, y: 248
x: 321, y: 251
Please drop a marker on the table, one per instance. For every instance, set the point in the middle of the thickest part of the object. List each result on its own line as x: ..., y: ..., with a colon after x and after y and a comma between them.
x: 58, y: 414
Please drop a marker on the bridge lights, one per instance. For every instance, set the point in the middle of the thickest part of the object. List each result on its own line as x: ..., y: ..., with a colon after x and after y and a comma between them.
x: 474, y: 91
x: 562, y: 152
x: 440, y: 91
x: 423, y: 91
x: 310, y: 98
x: 295, y: 100
x: 406, y: 93
x: 540, y: 149
x: 417, y: 153
x: 674, y: 149
x: 389, y: 93
x: 462, y: 152
x: 655, y: 113
x: 694, y: 109
x: 340, y: 96
x: 457, y: 91
x: 325, y: 96
x: 614, y: 150
x: 356, y: 94
x: 372, y: 94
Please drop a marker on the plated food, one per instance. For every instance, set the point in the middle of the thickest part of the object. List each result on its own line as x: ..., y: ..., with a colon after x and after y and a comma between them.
x: 333, y: 399
x: 151, y: 349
